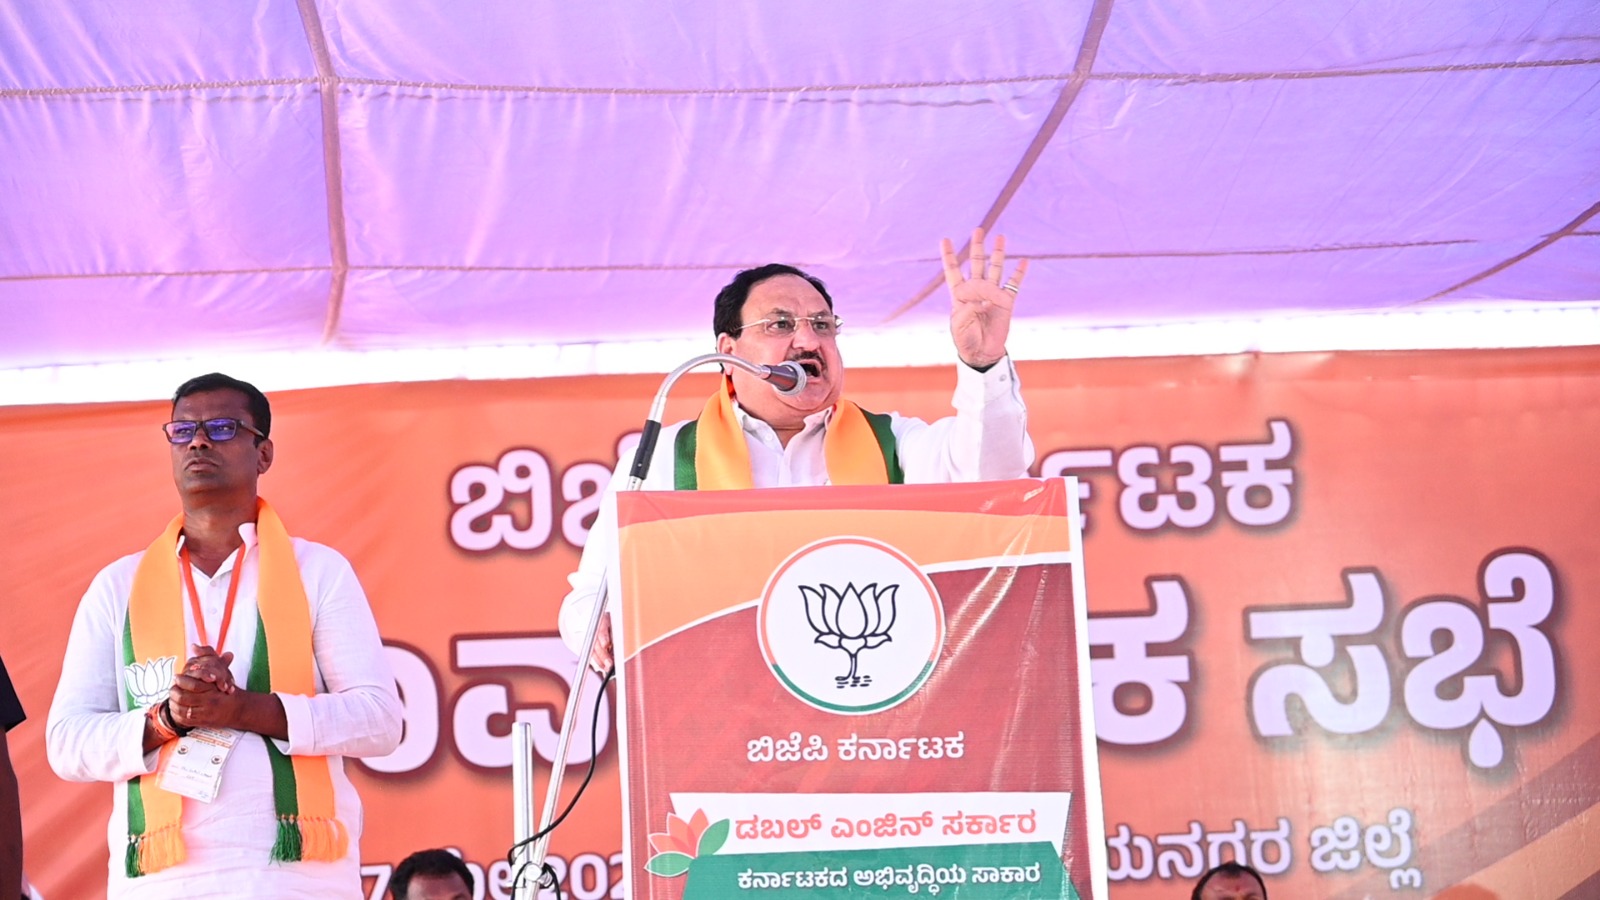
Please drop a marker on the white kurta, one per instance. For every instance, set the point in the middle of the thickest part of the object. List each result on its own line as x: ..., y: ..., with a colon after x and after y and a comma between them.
x: 986, y: 440
x: 356, y: 712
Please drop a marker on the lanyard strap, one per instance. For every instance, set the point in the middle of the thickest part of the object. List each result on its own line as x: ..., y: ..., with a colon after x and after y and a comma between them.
x: 194, y: 598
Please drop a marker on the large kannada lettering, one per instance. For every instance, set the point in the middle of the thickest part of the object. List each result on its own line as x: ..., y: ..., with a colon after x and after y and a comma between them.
x: 491, y: 663
x: 480, y: 494
x: 1145, y: 507
x: 1519, y: 592
x: 514, y: 504
x: 1314, y: 629
x: 1257, y: 494
x: 1519, y: 595
x: 1129, y: 636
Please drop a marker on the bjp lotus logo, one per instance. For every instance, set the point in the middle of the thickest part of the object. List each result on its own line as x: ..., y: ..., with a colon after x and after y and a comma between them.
x: 676, y: 849
x: 150, y: 680
x: 851, y: 620
x: 887, y: 620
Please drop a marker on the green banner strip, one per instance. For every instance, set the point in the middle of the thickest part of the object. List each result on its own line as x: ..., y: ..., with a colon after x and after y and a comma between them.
x: 968, y: 872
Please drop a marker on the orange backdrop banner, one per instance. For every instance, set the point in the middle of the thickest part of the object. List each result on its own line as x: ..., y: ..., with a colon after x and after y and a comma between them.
x: 1338, y: 605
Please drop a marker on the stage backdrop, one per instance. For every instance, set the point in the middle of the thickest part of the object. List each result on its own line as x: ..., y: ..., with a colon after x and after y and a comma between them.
x: 1341, y: 604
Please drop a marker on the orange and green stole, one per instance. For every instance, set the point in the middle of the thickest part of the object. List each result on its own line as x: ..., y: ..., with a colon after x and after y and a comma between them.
x: 710, y: 453
x: 302, y: 786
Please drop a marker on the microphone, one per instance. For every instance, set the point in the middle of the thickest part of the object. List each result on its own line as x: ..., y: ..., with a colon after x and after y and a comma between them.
x: 787, y: 378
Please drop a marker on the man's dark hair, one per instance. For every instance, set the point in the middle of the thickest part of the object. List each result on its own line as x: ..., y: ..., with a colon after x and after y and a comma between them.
x: 255, y: 401
x: 437, y: 863
x: 728, y: 312
x: 1229, y: 868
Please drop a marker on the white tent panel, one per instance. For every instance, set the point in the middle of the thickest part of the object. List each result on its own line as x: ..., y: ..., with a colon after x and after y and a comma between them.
x: 278, y: 177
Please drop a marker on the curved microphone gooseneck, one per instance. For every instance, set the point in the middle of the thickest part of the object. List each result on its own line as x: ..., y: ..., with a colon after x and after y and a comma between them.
x: 787, y: 378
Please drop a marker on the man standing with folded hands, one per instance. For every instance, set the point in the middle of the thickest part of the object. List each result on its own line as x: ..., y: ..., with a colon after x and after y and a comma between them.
x: 218, y: 679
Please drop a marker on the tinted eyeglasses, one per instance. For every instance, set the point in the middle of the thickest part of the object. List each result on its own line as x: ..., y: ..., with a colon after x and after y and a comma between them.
x: 782, y: 325
x: 182, y: 432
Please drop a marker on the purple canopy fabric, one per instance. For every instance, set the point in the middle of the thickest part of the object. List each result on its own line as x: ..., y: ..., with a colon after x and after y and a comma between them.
x: 275, y: 176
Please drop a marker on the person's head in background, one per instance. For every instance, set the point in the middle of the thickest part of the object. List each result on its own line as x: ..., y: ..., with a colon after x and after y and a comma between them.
x: 1230, y: 881
x: 431, y: 875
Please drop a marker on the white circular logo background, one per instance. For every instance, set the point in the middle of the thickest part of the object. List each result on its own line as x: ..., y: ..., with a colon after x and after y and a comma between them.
x: 850, y: 625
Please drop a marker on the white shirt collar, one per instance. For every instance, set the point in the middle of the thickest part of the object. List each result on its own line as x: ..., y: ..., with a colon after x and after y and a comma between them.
x: 247, y: 533
x: 816, y: 421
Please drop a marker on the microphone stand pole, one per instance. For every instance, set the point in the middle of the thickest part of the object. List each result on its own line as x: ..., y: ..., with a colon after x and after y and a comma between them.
x: 530, y: 850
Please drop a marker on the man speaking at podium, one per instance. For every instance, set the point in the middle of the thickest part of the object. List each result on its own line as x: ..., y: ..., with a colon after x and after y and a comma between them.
x: 750, y: 435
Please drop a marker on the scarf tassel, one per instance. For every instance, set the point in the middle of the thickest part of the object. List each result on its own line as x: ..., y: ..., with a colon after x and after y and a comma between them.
x: 160, y: 849
x: 305, y: 837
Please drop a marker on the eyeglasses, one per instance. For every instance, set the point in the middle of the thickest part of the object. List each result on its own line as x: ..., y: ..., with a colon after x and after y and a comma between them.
x: 783, y: 325
x: 182, y: 432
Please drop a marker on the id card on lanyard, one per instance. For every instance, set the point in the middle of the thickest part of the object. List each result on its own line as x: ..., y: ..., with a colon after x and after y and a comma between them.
x: 194, y: 769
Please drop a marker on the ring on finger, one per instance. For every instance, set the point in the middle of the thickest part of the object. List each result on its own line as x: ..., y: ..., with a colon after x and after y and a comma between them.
x: 1010, y: 287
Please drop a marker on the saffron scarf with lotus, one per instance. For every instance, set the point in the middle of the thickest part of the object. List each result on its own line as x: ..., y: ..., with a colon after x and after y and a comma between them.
x: 711, y: 455
x: 302, y: 786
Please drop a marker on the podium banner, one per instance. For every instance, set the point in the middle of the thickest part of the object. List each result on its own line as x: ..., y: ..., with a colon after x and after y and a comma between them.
x: 851, y: 692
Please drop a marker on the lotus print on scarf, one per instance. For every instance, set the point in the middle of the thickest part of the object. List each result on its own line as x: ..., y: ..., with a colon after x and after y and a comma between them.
x: 150, y: 680
x: 851, y: 620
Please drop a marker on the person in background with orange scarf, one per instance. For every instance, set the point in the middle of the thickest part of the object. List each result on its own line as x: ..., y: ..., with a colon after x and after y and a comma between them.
x: 751, y: 436
x: 218, y: 679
